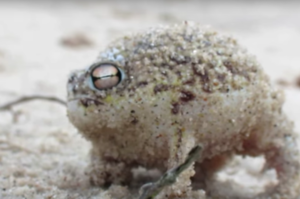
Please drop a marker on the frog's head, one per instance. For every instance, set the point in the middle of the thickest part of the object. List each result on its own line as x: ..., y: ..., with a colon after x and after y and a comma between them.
x: 96, y: 93
x: 119, y: 89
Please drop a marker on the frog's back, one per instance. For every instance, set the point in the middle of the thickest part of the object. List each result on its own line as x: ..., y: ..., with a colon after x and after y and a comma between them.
x: 212, y: 62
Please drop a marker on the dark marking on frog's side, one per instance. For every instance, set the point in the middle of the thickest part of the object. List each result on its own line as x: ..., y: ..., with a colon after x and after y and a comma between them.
x: 142, y: 84
x: 186, y: 96
x: 175, y: 108
x: 190, y: 81
x: 87, y: 102
x: 160, y: 88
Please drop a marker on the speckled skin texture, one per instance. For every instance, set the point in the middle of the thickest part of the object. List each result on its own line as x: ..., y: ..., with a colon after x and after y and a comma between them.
x: 184, y: 85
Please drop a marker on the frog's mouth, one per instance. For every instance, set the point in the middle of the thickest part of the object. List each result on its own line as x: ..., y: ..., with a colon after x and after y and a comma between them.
x: 86, y: 101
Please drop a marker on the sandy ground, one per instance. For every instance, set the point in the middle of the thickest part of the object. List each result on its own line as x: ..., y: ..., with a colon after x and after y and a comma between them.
x: 41, y: 155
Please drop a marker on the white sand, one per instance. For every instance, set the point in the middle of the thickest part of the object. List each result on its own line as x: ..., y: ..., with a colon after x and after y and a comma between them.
x: 41, y: 155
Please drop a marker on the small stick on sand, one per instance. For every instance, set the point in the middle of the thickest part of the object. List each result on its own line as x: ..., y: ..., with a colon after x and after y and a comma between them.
x: 30, y: 98
x: 150, y: 190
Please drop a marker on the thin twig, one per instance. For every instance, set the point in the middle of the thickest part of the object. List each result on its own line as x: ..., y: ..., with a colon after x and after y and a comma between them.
x: 30, y: 98
x: 150, y: 190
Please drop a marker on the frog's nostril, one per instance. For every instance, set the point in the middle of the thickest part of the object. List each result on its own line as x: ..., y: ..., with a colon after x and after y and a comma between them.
x: 72, y: 78
x: 75, y: 76
x: 72, y: 85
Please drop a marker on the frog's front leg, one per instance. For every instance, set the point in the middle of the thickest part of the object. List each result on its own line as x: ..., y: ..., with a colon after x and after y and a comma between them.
x: 104, y: 171
x: 179, y: 150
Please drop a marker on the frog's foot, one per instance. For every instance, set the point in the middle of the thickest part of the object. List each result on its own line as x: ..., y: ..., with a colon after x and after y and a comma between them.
x: 104, y: 172
x: 281, y: 155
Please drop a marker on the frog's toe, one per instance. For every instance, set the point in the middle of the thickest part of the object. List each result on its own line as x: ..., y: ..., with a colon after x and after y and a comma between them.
x: 103, y: 173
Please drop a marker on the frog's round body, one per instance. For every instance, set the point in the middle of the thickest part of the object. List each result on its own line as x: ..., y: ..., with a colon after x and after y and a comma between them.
x: 184, y: 85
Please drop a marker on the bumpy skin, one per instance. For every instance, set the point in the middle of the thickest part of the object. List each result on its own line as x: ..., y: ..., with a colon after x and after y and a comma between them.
x: 184, y: 85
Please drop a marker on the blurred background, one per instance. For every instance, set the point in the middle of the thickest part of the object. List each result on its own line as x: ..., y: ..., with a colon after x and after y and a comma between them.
x: 42, y: 41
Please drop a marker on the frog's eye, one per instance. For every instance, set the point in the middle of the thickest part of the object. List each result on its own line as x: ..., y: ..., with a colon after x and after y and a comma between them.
x: 106, y: 76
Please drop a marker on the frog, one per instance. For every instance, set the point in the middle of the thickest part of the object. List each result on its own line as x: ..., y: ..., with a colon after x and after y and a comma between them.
x: 151, y: 96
